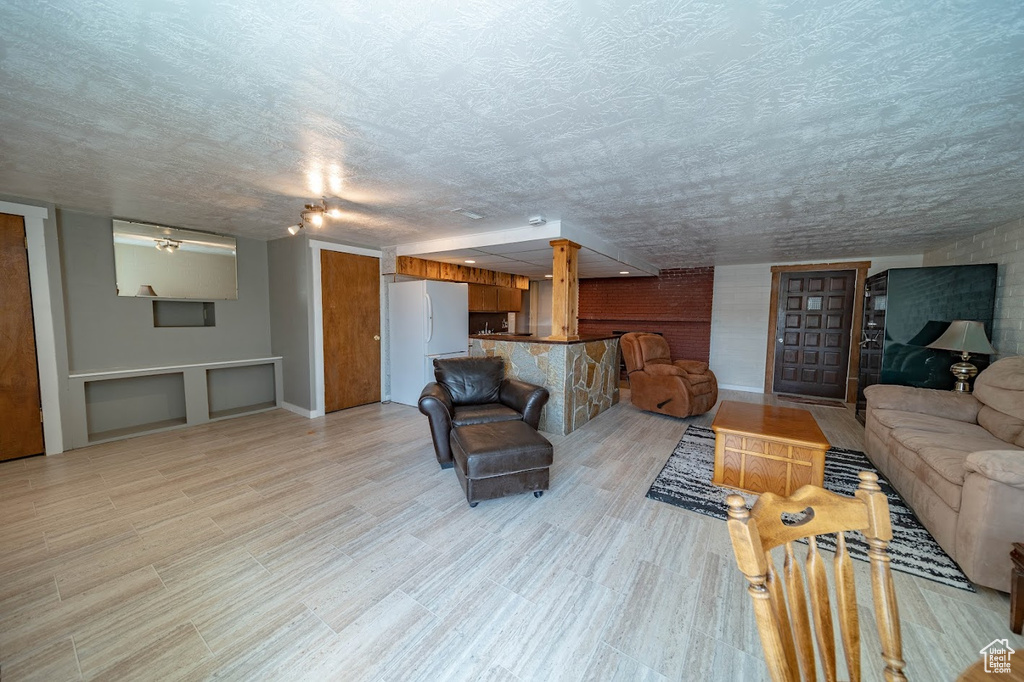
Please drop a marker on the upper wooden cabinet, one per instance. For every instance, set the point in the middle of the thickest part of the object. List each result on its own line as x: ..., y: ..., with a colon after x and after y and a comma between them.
x: 484, y: 298
x: 509, y: 299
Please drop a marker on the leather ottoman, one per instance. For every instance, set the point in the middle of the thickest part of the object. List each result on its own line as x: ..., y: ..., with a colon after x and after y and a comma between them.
x: 500, y: 458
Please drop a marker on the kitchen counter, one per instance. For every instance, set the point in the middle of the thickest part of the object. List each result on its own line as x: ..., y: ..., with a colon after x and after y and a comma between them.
x: 582, y: 376
x: 526, y: 338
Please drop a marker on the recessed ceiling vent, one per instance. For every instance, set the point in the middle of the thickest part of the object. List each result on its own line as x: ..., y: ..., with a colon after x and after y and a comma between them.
x: 467, y: 213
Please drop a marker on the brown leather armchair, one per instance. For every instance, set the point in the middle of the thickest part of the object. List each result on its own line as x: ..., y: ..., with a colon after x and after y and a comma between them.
x: 475, y: 391
x: 680, y: 388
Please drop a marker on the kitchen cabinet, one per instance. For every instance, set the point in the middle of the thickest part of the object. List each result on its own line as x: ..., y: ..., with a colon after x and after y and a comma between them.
x: 484, y: 298
x: 509, y: 299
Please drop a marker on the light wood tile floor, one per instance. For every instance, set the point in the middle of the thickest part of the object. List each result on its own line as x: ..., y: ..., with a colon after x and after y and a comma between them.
x: 275, y: 547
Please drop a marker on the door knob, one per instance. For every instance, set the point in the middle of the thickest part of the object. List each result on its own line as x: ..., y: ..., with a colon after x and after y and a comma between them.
x: 376, y: 337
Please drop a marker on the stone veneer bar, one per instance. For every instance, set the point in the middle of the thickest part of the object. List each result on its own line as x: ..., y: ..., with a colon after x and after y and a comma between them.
x: 581, y: 376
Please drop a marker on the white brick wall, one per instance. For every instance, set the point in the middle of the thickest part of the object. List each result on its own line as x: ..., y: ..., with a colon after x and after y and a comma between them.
x: 1003, y: 245
x: 739, y: 318
x: 739, y: 325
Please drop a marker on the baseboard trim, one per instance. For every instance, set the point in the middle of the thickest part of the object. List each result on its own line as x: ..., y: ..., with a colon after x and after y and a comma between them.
x: 301, y: 411
x: 745, y: 389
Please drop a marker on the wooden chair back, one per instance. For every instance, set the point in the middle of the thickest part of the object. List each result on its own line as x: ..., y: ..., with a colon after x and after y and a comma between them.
x: 781, y: 600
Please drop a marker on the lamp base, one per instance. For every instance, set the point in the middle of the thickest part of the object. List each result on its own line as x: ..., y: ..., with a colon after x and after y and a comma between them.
x: 963, y: 371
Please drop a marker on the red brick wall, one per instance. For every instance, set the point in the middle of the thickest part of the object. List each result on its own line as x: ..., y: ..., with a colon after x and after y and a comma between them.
x: 677, y: 303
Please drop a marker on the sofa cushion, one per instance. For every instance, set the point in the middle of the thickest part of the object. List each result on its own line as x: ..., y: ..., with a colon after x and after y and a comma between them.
x: 653, y: 347
x: 896, y: 419
x: 1001, y: 386
x: 949, y: 404
x: 937, y: 458
x: 483, y: 414
x: 470, y: 381
x: 1000, y: 425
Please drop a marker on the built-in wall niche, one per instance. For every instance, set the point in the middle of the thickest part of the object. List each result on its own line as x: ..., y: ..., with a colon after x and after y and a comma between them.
x: 239, y: 390
x: 120, y: 403
x: 184, y: 314
x: 116, y: 408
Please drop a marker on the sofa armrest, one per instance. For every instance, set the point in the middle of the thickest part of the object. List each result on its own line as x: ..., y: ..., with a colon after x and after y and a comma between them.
x: 665, y: 370
x: 947, y: 404
x: 1004, y: 466
x: 436, y: 403
x: 991, y: 507
x: 692, y: 366
x: 526, y: 399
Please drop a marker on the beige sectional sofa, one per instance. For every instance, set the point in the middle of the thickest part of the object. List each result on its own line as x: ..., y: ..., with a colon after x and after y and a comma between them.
x: 958, y: 461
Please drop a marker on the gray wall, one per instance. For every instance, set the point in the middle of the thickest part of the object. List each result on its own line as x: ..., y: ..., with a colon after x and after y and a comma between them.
x: 290, y: 304
x: 107, y: 332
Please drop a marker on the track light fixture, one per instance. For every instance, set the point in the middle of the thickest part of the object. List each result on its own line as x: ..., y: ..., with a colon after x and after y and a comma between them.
x: 167, y: 245
x: 313, y: 214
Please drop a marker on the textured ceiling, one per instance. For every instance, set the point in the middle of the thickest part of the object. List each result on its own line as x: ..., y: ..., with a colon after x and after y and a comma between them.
x: 690, y: 132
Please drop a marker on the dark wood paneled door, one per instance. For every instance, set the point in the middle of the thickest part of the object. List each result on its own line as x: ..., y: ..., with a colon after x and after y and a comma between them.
x: 812, y: 345
x: 350, y: 294
x: 21, y: 429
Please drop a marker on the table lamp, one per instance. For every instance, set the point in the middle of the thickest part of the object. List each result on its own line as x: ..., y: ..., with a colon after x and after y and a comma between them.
x: 965, y: 337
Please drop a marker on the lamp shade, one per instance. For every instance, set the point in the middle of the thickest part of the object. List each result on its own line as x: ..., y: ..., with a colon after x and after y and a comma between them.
x: 146, y: 290
x: 965, y: 336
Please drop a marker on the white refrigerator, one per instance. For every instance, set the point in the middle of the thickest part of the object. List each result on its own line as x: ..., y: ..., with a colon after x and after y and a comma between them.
x: 426, y: 320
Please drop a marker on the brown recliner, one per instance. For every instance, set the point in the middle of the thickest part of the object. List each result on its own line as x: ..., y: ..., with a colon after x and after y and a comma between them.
x: 680, y: 388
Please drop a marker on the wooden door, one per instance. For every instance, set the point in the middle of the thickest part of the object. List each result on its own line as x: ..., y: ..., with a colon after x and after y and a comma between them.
x: 350, y: 288
x: 815, y: 316
x: 21, y: 428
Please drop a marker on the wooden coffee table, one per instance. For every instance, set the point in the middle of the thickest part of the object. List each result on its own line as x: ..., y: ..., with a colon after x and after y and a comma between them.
x: 763, y: 448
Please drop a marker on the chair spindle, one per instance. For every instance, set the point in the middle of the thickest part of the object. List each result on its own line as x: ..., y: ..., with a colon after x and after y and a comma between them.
x: 796, y: 597
x: 846, y: 603
x: 821, y: 609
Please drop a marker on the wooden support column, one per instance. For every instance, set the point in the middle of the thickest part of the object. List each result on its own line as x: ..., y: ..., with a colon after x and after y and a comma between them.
x: 565, y: 294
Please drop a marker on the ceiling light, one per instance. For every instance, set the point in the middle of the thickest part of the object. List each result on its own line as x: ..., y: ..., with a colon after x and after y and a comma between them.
x: 167, y: 245
x: 623, y: 272
x: 470, y: 261
x: 550, y: 276
x: 332, y: 208
x: 313, y: 214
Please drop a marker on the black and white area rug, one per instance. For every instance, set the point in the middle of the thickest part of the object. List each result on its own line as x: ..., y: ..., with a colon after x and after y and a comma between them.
x: 685, y: 482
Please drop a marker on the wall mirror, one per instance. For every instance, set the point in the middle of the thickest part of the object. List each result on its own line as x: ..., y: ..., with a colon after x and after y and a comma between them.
x: 153, y: 261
